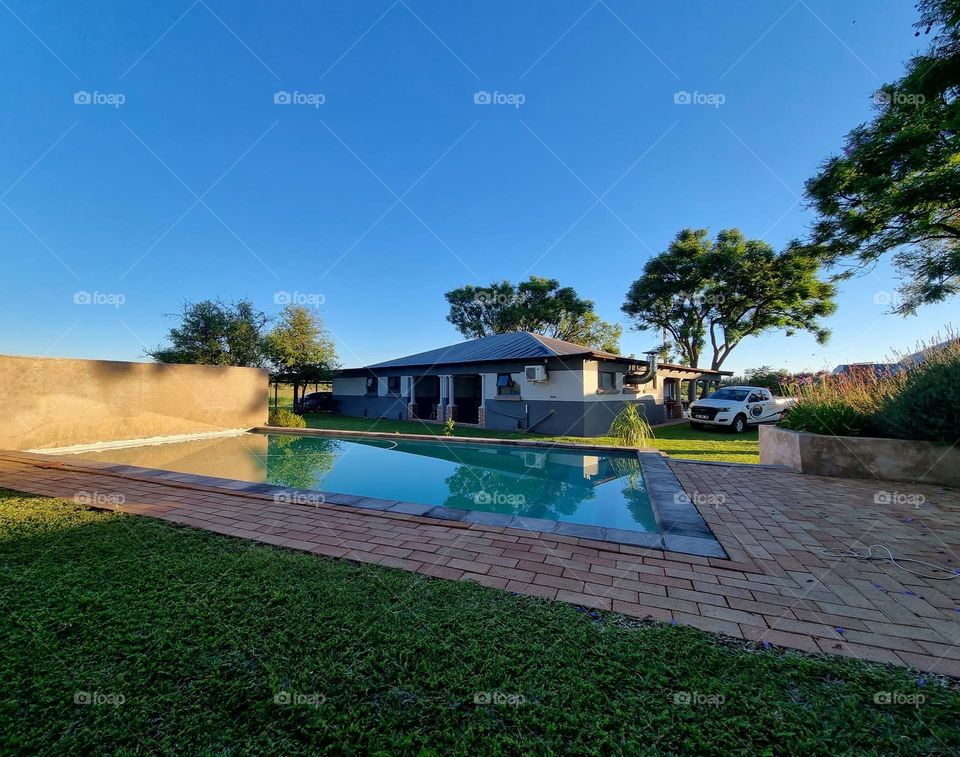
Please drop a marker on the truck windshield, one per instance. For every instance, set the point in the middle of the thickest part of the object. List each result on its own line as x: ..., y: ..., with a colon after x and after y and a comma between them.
x: 734, y: 395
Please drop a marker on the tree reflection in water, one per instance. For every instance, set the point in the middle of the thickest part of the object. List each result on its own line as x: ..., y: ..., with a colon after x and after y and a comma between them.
x: 532, y: 497
x: 300, y: 462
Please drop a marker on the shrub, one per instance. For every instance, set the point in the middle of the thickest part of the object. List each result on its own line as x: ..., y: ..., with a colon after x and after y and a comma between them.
x: 842, y: 405
x: 928, y: 405
x: 630, y: 427
x: 918, y: 399
x: 822, y: 415
x: 449, y: 428
x: 280, y: 416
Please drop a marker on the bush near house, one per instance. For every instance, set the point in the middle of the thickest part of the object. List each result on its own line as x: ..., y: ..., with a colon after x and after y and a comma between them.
x: 280, y: 416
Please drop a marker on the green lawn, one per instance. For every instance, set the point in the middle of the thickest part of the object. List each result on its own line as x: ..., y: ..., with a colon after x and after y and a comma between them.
x: 184, y: 640
x: 676, y: 441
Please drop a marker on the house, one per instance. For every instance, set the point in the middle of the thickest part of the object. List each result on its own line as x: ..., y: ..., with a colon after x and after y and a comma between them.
x: 880, y: 370
x: 520, y: 381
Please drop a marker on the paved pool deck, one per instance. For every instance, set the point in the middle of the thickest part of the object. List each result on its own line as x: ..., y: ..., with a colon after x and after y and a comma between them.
x: 776, y: 585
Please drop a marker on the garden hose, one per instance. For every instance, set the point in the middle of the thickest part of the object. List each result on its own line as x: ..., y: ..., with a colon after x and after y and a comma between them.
x: 842, y: 554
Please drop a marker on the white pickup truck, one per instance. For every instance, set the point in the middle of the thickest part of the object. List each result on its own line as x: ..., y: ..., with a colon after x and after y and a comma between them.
x: 737, y: 407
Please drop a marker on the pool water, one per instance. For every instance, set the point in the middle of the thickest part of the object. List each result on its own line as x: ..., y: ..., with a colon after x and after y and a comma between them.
x: 592, y: 488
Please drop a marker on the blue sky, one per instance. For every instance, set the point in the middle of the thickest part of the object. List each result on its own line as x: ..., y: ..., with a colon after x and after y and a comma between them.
x: 386, y: 184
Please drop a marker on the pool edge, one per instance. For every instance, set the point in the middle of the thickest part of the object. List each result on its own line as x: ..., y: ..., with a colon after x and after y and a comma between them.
x: 681, y: 528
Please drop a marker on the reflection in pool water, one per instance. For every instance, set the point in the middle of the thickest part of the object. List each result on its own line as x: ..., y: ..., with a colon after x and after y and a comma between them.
x: 602, y: 489
x: 563, y: 485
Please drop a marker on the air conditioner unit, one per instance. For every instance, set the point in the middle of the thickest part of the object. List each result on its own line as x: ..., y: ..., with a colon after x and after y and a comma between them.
x: 535, y: 373
x: 535, y: 460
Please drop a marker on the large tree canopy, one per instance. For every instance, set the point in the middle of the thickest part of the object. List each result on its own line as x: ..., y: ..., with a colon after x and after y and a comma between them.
x: 721, y: 291
x: 896, y: 188
x: 299, y: 349
x: 538, y: 305
x: 214, y: 333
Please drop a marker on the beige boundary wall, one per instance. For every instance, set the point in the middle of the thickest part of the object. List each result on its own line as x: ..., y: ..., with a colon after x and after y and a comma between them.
x: 861, y: 457
x: 56, y: 402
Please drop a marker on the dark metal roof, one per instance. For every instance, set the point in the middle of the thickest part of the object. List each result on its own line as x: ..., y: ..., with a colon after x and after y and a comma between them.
x: 520, y: 345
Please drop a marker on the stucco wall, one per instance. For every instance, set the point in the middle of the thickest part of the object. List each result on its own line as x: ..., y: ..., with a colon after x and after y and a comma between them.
x: 861, y: 457
x: 53, y: 402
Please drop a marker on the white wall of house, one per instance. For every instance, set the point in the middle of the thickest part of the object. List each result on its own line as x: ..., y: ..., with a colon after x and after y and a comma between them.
x: 591, y: 380
x: 351, y: 386
x: 563, y: 386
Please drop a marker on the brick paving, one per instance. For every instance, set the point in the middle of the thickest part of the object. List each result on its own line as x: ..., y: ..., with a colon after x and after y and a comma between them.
x: 776, y: 587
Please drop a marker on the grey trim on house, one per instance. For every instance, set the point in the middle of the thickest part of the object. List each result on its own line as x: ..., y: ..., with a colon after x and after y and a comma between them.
x: 565, y: 418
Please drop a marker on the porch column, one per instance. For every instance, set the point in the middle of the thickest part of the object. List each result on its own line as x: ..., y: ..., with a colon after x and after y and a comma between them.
x: 442, y: 400
x: 450, y: 412
x: 482, y: 411
x: 411, y: 397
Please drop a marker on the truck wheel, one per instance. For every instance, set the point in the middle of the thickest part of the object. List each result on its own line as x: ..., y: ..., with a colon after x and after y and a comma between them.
x: 739, y: 424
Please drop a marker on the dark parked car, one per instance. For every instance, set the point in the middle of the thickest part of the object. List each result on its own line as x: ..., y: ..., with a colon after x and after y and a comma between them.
x: 317, y: 402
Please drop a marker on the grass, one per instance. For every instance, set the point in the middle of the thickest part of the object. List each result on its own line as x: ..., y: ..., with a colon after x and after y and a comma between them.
x: 199, y: 633
x: 677, y: 441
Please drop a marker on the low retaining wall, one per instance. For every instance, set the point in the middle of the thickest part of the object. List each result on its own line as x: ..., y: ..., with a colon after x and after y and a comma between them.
x: 861, y: 457
x: 55, y: 402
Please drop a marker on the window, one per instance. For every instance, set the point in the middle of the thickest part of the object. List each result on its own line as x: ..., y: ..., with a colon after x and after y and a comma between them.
x: 506, y: 384
x: 734, y: 395
x: 372, y: 382
x: 393, y: 385
x: 608, y: 380
x: 756, y: 397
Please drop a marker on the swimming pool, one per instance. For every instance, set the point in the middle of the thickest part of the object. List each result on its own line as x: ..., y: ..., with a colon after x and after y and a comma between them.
x: 596, y: 493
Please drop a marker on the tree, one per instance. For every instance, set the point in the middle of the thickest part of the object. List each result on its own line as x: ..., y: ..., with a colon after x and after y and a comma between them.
x: 538, y: 305
x: 896, y: 188
x: 300, y: 350
x: 214, y: 333
x: 722, y: 291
